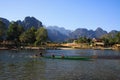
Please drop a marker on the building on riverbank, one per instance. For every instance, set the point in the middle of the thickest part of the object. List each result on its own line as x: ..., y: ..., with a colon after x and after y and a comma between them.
x: 116, y: 46
x: 97, y: 43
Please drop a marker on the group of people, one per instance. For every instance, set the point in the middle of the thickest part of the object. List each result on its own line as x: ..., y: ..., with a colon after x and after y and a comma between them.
x: 53, y: 56
x: 40, y: 54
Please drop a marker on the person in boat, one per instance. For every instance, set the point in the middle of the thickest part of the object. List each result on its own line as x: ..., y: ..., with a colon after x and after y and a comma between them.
x: 35, y: 56
x: 53, y: 56
x: 62, y: 56
x: 41, y: 54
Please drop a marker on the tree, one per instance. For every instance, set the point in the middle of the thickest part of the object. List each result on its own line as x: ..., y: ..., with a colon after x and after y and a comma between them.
x: 82, y: 40
x: 105, y: 40
x: 41, y: 36
x: 2, y: 30
x: 117, y: 38
x: 13, y: 33
x: 28, y: 36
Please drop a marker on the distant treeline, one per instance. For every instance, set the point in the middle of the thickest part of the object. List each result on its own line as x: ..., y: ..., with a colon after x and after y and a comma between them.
x: 17, y: 35
x: 107, y: 39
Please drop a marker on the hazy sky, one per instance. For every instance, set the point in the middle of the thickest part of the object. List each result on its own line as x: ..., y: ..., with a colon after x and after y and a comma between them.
x: 70, y: 14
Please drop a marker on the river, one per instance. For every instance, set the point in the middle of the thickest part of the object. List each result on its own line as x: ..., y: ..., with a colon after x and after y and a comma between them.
x: 20, y: 65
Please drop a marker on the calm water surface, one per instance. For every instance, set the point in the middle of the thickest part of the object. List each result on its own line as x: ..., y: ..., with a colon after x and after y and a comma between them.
x: 20, y: 65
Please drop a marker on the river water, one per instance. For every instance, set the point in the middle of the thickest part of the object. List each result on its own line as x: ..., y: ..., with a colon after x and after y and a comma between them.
x: 20, y: 65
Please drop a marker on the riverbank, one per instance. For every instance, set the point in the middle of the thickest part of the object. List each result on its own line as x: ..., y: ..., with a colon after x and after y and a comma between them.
x: 4, y: 48
x: 63, y: 48
x: 55, y: 48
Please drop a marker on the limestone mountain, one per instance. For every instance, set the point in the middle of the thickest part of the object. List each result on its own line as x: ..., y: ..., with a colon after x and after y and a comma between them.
x: 27, y: 23
x: 7, y: 22
x: 110, y: 34
x: 99, y: 32
x: 56, y: 36
x: 62, y: 30
x: 59, y: 34
x: 82, y: 32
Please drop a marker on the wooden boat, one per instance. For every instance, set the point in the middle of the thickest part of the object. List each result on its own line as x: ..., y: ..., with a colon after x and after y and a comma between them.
x: 69, y: 57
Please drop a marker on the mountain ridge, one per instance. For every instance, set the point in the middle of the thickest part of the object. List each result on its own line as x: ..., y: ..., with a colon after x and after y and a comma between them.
x: 59, y: 34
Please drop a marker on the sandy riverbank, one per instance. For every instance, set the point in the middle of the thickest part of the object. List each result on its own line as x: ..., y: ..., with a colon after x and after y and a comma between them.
x: 52, y: 48
x: 3, y: 48
x: 62, y: 48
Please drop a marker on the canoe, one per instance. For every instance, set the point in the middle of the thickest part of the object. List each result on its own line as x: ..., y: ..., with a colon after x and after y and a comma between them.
x: 69, y: 57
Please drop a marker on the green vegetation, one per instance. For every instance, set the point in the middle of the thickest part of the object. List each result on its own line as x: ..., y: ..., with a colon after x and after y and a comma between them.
x: 14, y: 31
x: 15, y: 35
x: 108, y: 40
x: 41, y: 36
x: 83, y: 40
x: 2, y: 30
x: 28, y: 36
x: 117, y: 38
x: 111, y: 39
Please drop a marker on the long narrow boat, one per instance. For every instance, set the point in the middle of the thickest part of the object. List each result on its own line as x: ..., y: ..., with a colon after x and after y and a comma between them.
x: 69, y: 57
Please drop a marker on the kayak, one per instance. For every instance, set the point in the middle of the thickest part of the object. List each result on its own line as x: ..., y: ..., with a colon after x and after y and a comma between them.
x: 69, y: 57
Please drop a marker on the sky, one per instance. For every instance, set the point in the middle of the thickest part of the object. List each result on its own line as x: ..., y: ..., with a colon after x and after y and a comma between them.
x: 70, y: 14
